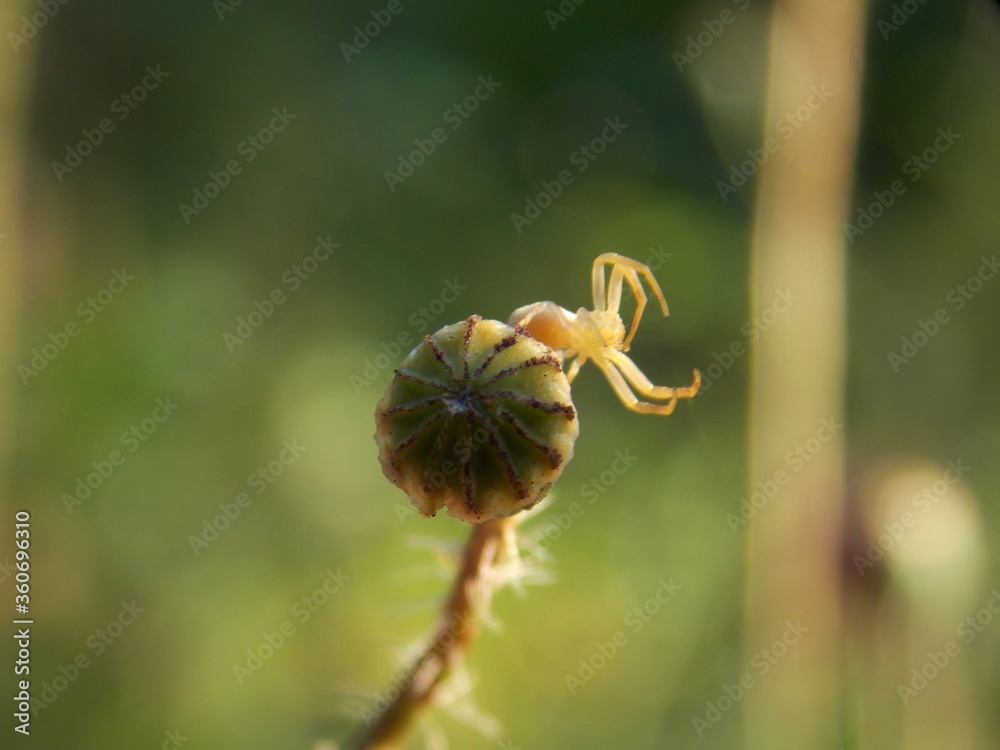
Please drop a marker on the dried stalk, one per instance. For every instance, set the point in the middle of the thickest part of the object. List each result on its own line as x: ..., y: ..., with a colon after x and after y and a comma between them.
x: 455, y: 632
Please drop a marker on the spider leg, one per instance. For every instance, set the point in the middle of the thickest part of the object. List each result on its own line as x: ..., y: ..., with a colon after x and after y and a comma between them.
x: 612, y: 302
x: 626, y: 263
x: 643, y: 385
x: 625, y: 394
x: 640, y: 304
x: 614, y: 298
x: 574, y: 368
x: 597, y: 282
x: 626, y: 269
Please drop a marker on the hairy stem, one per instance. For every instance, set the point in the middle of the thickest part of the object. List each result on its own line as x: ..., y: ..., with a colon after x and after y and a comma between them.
x: 455, y: 632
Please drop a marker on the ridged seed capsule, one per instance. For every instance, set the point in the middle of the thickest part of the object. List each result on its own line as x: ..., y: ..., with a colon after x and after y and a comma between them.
x: 478, y: 419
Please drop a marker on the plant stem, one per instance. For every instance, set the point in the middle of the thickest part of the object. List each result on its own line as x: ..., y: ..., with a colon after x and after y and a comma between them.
x: 455, y: 632
x: 804, y: 193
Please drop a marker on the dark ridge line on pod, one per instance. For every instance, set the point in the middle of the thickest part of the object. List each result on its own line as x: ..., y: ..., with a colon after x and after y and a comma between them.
x: 427, y: 485
x: 416, y: 378
x: 546, y: 406
x: 470, y: 327
x: 418, y: 432
x: 505, y: 343
x: 545, y: 359
x: 413, y: 405
x: 439, y: 356
x: 554, y: 456
x: 510, y: 469
x: 468, y: 481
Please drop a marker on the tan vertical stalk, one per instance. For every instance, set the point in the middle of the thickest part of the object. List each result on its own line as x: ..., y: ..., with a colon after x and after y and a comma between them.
x: 797, y: 372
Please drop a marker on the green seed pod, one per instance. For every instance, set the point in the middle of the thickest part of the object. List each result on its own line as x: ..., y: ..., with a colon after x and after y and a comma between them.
x: 478, y: 419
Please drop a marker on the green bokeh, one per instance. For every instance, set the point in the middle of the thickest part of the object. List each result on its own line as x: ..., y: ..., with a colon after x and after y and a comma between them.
x: 314, y: 368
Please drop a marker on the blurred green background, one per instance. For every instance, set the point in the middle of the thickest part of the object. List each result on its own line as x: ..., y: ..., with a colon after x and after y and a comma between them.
x: 309, y: 375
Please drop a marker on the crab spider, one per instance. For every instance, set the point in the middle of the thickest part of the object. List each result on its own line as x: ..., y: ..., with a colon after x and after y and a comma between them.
x: 600, y: 335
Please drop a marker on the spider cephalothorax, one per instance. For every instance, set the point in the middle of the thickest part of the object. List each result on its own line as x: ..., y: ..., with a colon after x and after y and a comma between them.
x: 600, y: 334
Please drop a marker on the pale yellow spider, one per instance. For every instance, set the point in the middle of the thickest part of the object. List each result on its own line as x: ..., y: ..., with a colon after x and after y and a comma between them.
x: 599, y: 334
